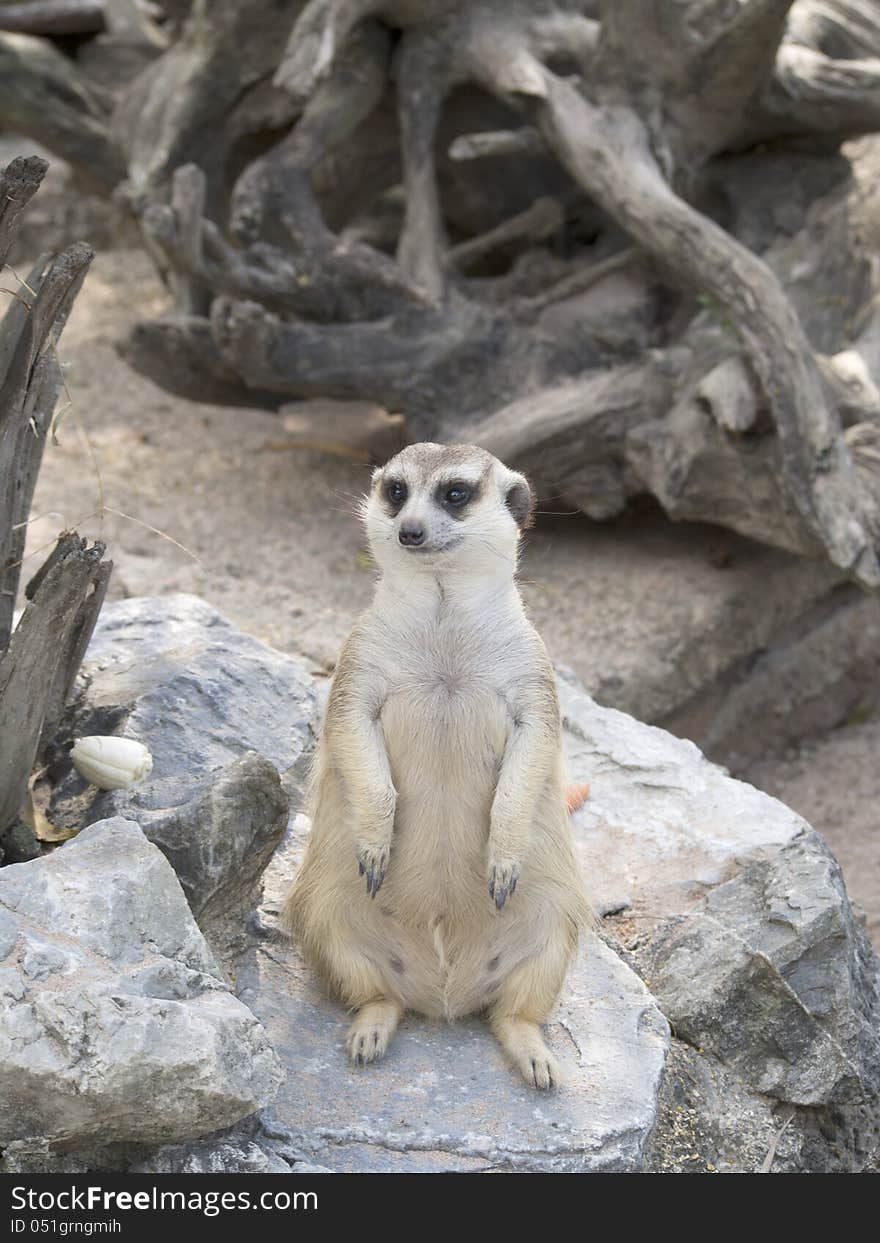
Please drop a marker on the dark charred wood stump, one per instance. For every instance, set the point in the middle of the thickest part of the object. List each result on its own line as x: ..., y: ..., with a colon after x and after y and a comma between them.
x: 43, y: 656
x: 40, y: 658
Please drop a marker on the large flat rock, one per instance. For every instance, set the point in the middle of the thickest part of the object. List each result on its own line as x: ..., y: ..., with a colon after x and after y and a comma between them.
x: 443, y: 1098
x: 733, y: 907
x: 724, y: 900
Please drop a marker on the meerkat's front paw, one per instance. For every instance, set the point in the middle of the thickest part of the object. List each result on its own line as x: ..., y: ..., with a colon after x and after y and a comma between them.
x: 503, y: 875
x: 373, y: 863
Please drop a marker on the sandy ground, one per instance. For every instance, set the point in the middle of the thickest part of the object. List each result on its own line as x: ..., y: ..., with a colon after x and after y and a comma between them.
x: 643, y: 611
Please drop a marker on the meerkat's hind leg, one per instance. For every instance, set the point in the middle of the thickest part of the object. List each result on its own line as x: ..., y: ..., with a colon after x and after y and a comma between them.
x: 372, y: 1029
x: 522, y: 1040
x: 334, y: 944
x: 525, y: 1000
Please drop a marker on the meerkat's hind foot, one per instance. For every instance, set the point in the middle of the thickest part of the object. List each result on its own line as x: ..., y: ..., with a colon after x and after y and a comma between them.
x: 371, y: 1032
x: 521, y: 1039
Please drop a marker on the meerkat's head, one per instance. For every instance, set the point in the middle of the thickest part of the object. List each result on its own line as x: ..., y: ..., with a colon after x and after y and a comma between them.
x: 447, y: 508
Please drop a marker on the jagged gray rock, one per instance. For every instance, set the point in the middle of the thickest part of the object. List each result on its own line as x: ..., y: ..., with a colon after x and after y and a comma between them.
x: 221, y: 713
x: 246, y: 1148
x: 116, y: 1024
x: 219, y: 842
x: 772, y: 974
x: 735, y: 912
x: 18, y: 844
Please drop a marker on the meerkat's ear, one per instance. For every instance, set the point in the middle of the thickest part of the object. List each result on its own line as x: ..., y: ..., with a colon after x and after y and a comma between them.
x: 520, y: 499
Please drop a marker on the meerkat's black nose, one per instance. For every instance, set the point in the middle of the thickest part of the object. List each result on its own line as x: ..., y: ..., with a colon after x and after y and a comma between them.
x: 411, y: 534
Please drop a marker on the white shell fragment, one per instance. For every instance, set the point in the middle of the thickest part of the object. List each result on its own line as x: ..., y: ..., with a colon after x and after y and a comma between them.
x: 111, y: 763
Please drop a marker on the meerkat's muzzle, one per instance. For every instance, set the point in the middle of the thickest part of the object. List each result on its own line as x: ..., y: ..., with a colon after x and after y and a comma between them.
x: 412, y: 534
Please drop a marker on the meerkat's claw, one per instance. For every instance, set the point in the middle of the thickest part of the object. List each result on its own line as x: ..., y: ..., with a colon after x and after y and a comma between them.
x: 502, y: 881
x: 366, y: 1047
x: 543, y: 1071
x: 373, y: 863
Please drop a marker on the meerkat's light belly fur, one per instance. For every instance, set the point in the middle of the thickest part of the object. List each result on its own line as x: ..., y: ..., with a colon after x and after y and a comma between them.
x: 432, y: 930
x: 445, y: 742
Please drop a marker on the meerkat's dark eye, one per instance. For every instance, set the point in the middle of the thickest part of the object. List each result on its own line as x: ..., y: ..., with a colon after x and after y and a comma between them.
x: 457, y: 494
x: 395, y: 491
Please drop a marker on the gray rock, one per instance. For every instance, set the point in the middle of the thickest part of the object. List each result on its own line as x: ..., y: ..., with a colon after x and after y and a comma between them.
x: 772, y: 974
x: 220, y: 842
x: 735, y: 912
x: 203, y: 697
x: 708, y: 1121
x: 115, y: 1023
x: 223, y: 1156
x: 247, y: 1148
x: 662, y: 825
x: 213, y: 1157
x: 19, y: 844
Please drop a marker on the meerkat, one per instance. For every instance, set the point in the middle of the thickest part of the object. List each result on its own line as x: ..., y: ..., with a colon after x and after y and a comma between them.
x: 439, y: 876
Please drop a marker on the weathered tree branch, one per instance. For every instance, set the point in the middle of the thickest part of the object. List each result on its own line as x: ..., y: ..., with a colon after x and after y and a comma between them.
x: 536, y: 223
x: 179, y: 109
x: 53, y: 17
x: 36, y: 668
x: 572, y: 438
x: 180, y: 351
x: 44, y: 97
x: 613, y: 158
x: 814, y: 94
x: 19, y: 182
x: 29, y: 389
x: 327, y: 280
x: 40, y: 658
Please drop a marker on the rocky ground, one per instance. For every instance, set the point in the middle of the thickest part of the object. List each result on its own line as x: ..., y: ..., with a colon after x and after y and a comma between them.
x: 153, y: 1019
